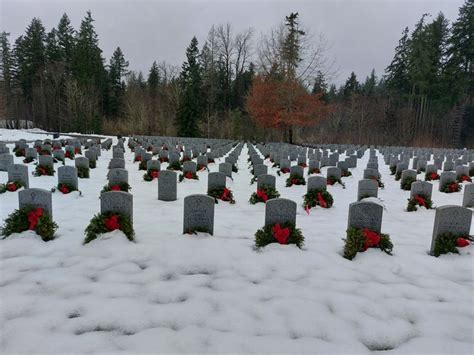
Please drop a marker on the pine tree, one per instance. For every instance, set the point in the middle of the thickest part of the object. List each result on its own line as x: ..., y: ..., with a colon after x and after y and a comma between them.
x: 397, y: 72
x: 118, y: 69
x: 6, y: 69
x: 320, y: 87
x: 190, y: 106
x: 351, y: 86
x: 291, y: 46
x: 52, y: 50
x: 370, y: 84
x: 66, y: 41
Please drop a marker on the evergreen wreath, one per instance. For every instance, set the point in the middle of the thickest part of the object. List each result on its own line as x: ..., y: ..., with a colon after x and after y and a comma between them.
x: 188, y: 175
x: 303, y: 165
x: 314, y: 171
x: 20, y: 153
x: 398, y: 176
x: 419, y: 200
x: 197, y: 230
x: 92, y: 164
x: 332, y: 180
x: 107, y: 222
x: 65, y: 188
x: 471, y: 172
x: 43, y: 170
x: 359, y: 240
x: 449, y: 243
x: 30, y: 218
x: 28, y: 160
x: 345, y: 173
x: 120, y: 186
x: 174, y: 166
x: 142, y: 165
x: 69, y: 154
x: 379, y: 181
x: 283, y: 171
x: 317, y: 197
x: 451, y: 187
x: 282, y: 233
x: 393, y: 169
x: 210, y: 160
x: 83, y: 172
x: 431, y: 176
x: 10, y: 186
x: 221, y: 193
x: 464, y: 178
x: 295, y: 180
x: 406, y: 183
x: 202, y: 167
x: 151, y: 174
x: 264, y: 194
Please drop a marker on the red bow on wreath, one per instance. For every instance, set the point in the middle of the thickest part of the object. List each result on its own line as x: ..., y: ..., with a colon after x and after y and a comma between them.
x: 112, y: 223
x: 11, y: 187
x: 64, y: 189
x: 453, y: 187
x: 461, y: 242
x: 330, y: 182
x: 421, y: 201
x: 114, y: 188
x: 465, y: 178
x: 281, y: 234
x: 321, y: 200
x: 42, y: 171
x: 433, y: 176
x: 225, y: 194
x: 188, y: 175
x: 33, y: 217
x: 67, y: 154
x: 372, y: 239
x: 262, y: 195
x: 154, y: 174
x: 77, y: 151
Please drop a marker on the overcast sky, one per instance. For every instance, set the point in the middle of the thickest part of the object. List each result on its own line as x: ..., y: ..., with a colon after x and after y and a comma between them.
x: 362, y: 33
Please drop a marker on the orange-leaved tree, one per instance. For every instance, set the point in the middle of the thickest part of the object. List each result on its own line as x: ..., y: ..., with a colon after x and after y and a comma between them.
x: 284, y: 104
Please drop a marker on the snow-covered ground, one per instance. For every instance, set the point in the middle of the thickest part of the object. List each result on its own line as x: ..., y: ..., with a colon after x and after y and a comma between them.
x: 170, y: 292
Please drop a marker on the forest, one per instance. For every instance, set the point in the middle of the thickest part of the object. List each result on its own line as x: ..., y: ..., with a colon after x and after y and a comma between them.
x: 238, y: 85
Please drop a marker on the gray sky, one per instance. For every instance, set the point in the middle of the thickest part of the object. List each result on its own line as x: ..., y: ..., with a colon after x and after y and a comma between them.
x: 362, y: 33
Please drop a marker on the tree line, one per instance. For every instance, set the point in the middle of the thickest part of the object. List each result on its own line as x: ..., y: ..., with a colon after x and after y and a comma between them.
x: 235, y: 86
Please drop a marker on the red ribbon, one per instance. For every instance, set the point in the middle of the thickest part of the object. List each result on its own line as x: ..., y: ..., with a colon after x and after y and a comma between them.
x: 281, y: 234
x: 262, y: 195
x: 321, y: 201
x: 294, y: 181
x: 33, y: 217
x: 421, y: 201
x: 112, y: 223
x: 155, y: 174
x: 115, y: 188
x: 67, y: 154
x: 11, y: 187
x: 225, y: 194
x: 465, y: 178
x: 307, y: 209
x: 64, y: 189
x: 461, y: 242
x: 42, y: 171
x: 372, y: 239
x: 188, y: 175
x: 453, y: 187
x: 330, y: 182
x: 138, y: 158
x: 434, y: 176
x: 77, y: 151
x: 285, y: 170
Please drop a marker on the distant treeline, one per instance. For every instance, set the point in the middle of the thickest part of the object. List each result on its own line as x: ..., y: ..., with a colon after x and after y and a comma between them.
x: 232, y: 87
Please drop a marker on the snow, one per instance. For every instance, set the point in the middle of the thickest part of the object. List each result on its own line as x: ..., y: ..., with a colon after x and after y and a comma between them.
x: 169, y: 292
x: 12, y: 135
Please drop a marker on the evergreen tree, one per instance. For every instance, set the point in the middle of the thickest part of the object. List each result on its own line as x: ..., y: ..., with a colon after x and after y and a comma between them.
x: 65, y: 35
x: 31, y: 62
x: 6, y: 69
x: 320, y: 87
x: 118, y: 69
x: 370, y: 84
x: 291, y: 46
x: 397, y: 72
x: 52, y: 50
x: 190, y: 106
x: 351, y: 86
x: 153, y: 79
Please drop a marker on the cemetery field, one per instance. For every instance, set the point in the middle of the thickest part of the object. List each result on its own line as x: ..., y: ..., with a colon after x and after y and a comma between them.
x: 174, y: 292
